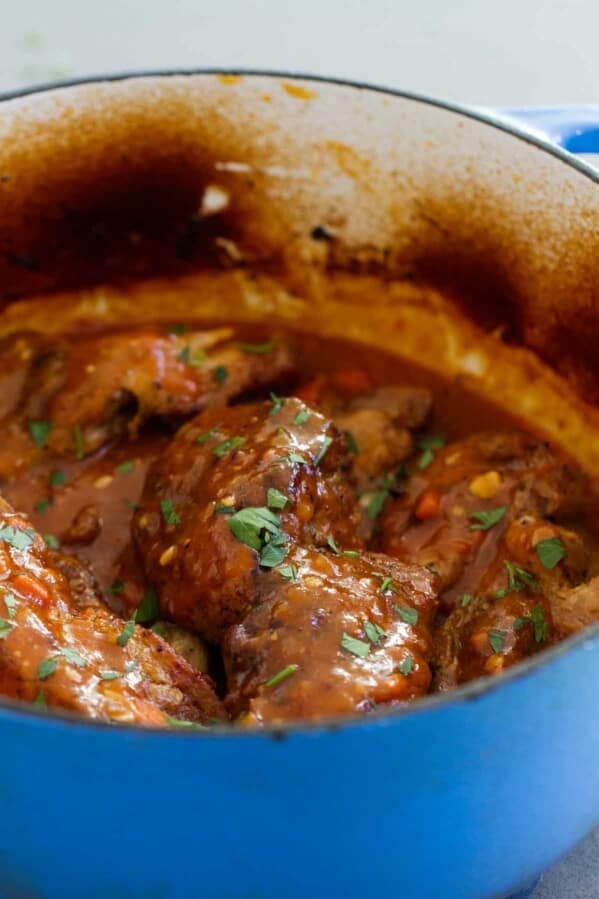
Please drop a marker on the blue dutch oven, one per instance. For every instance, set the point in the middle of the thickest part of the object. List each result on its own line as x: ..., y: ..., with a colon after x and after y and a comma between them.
x: 460, y: 796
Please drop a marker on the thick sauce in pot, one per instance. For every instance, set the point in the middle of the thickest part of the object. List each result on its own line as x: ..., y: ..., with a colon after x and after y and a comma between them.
x: 287, y: 527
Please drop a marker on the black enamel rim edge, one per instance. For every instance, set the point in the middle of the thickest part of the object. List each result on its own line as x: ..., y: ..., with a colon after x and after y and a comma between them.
x: 468, y: 692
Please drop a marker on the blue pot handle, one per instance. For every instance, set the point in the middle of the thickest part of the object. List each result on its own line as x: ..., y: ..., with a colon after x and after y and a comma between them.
x: 575, y: 128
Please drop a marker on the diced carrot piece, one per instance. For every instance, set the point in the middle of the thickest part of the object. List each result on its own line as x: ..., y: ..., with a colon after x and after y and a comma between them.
x: 352, y: 381
x: 24, y: 583
x: 311, y: 391
x: 428, y: 506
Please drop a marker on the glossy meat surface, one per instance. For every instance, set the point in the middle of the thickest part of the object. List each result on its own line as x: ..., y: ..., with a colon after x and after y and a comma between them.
x: 283, y: 459
x: 334, y: 635
x: 84, y: 659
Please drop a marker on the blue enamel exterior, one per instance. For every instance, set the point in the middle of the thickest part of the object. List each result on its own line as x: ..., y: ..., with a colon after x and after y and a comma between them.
x: 464, y: 797
x: 575, y: 128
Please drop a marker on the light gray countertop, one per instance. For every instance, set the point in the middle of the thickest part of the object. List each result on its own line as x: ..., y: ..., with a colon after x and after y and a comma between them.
x: 516, y: 52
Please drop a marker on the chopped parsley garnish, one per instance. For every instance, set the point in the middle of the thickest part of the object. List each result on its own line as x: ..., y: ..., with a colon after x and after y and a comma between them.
x: 227, y: 446
x: 259, y: 528
x: 281, y: 676
x: 147, y: 610
x: 466, y: 600
x: 131, y: 505
x: 220, y: 374
x: 374, y: 632
x: 497, y: 639
x: 159, y: 629
x: 538, y: 621
x: 184, y: 354
x: 73, y: 657
x: 10, y: 602
x: 124, y: 467
x: 116, y: 587
x: 178, y: 329
x: 351, y: 442
x: 407, y: 665
x: 275, y: 499
x: 198, y: 357
x: 377, y: 499
x: 351, y: 553
x: 46, y: 668
x: 16, y: 538
x: 79, y: 445
x: 323, y: 449
x: 205, y: 437
x: 223, y: 509
x: 40, y: 431
x: 428, y: 444
x: 169, y: 513
x: 407, y: 614
x: 40, y: 700
x: 518, y: 579
x: 5, y: 628
x: 333, y: 545
x: 51, y: 541
x: 277, y: 403
x: 302, y: 417
x: 110, y: 675
x: 183, y: 722
x: 296, y: 458
x: 57, y: 478
x: 550, y: 551
x: 357, y: 647
x: 42, y: 506
x: 127, y: 632
x: 485, y: 520
x: 288, y: 573
x: 387, y: 585
x: 258, y: 348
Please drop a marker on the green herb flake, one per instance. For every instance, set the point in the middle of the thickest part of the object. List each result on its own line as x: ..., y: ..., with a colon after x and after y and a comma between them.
x: 428, y: 444
x: 273, y: 553
x: 518, y: 579
x: 333, y: 545
x: 40, y: 700
x: 182, y: 722
x: 40, y: 431
x: 131, y: 505
x: 228, y: 446
x: 387, y: 585
x: 351, y: 443
x: 425, y: 459
x: 220, y: 374
x: 10, y: 601
x: 125, y: 467
x: 51, y: 541
x: 223, y: 509
x: 288, y: 573
x: 184, y: 354
x: 169, y: 513
x: 57, y: 478
x: 294, y: 458
x: 407, y: 665
x: 485, y: 520
x: 148, y: 608
x: 466, y: 600
x: 159, y: 629
x: 127, y: 632
x: 46, y: 668
x: 178, y: 329
x: 207, y: 435
x: 281, y: 675
x: 302, y: 417
x: 110, y: 675
x: 116, y: 587
x: 79, y: 445
x: 377, y: 502
x: 16, y: 538
x: 407, y: 614
x: 249, y: 523
x: 277, y: 403
x: 323, y: 449
x: 537, y: 620
x: 73, y: 657
x: 275, y: 499
x: 42, y: 506
x: 351, y: 554
x: 258, y: 349
x: 357, y: 647
x: 497, y: 640
x: 550, y: 552
x: 198, y: 357
x: 5, y: 628
x: 374, y: 632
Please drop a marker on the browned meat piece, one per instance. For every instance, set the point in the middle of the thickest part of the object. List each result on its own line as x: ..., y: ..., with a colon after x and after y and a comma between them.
x: 79, y: 396
x: 408, y: 407
x: 379, y: 445
x: 332, y: 635
x: 82, y: 583
x: 85, y: 526
x: 458, y: 504
x: 88, y: 661
x: 280, y: 466
x: 576, y: 607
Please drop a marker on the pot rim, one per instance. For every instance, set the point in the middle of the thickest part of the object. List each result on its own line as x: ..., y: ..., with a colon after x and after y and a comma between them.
x: 383, y: 716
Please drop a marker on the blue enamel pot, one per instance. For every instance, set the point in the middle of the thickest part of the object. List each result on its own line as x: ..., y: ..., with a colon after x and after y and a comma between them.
x: 461, y: 796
